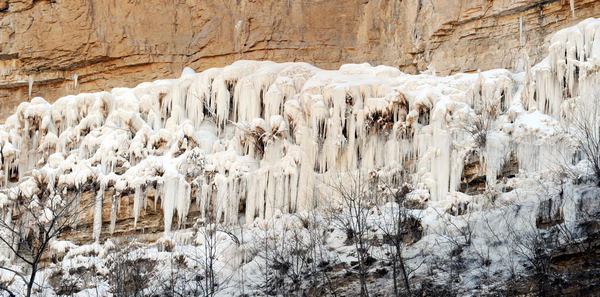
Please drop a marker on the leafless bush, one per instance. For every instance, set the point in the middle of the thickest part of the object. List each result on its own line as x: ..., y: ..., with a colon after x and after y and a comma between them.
x: 587, y: 139
x: 533, y: 245
x: 457, y: 233
x: 129, y: 272
x: 398, y: 227
x: 320, y: 262
x: 477, y: 126
x: 211, y: 279
x: 357, y: 194
x: 485, y: 111
x: 179, y: 280
x: 294, y: 261
x: 463, y: 229
x: 31, y: 222
x: 208, y: 232
x: 286, y: 258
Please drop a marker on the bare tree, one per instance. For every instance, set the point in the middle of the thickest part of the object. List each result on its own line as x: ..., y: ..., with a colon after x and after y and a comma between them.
x: 397, y: 225
x: 179, y: 280
x: 283, y: 256
x: 457, y: 233
x: 212, y: 279
x: 128, y: 272
x: 357, y: 195
x: 288, y: 258
x: 587, y: 139
x: 31, y: 221
x: 208, y: 233
x: 485, y: 110
x: 293, y: 256
x: 319, y: 262
x: 534, y: 245
x: 264, y: 249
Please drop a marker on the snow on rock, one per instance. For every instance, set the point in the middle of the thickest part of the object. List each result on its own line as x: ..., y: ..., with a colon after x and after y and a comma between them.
x: 259, y: 137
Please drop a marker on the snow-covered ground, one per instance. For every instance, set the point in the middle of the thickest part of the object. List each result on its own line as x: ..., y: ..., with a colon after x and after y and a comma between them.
x: 274, y: 137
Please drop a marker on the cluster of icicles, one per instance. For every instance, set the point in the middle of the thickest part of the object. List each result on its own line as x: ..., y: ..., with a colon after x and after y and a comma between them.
x: 255, y: 138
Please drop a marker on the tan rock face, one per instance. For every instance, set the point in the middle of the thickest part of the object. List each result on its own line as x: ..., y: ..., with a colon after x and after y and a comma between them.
x: 148, y: 228
x: 122, y: 43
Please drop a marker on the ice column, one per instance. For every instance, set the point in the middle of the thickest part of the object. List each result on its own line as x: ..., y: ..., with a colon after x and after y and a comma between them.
x: 75, y: 77
x: 98, y: 213
x: 521, y: 30
x: 30, y: 82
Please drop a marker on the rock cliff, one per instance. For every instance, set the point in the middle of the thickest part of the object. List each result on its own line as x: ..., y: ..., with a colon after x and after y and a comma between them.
x: 490, y: 178
x: 62, y: 47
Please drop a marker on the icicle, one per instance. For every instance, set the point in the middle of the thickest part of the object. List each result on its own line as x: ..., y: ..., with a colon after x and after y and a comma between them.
x: 114, y: 213
x: 175, y: 197
x: 145, y: 199
x: 521, y: 30
x: 30, y: 81
x: 221, y: 95
x: 137, y: 203
x: 205, y: 195
x: 246, y: 101
x: 97, y: 229
x: 157, y: 193
x: 168, y: 196
x: 572, y: 3
x: 75, y: 77
x: 183, y: 201
x: 222, y: 196
x: 273, y: 102
x: 496, y: 152
x: 231, y: 215
x: 251, y: 207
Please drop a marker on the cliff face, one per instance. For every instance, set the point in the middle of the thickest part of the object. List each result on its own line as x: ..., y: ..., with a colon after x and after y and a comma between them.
x: 259, y: 142
x: 67, y: 46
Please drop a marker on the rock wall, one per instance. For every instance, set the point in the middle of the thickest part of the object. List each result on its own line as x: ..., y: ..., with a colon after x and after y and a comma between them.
x: 71, y: 46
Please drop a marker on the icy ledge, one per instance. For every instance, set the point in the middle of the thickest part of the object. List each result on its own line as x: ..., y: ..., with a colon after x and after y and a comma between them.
x: 263, y: 137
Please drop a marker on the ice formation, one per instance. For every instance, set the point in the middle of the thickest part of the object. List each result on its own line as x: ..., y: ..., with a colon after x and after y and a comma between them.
x: 256, y: 138
x: 30, y: 85
x: 75, y: 78
x: 521, y: 30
